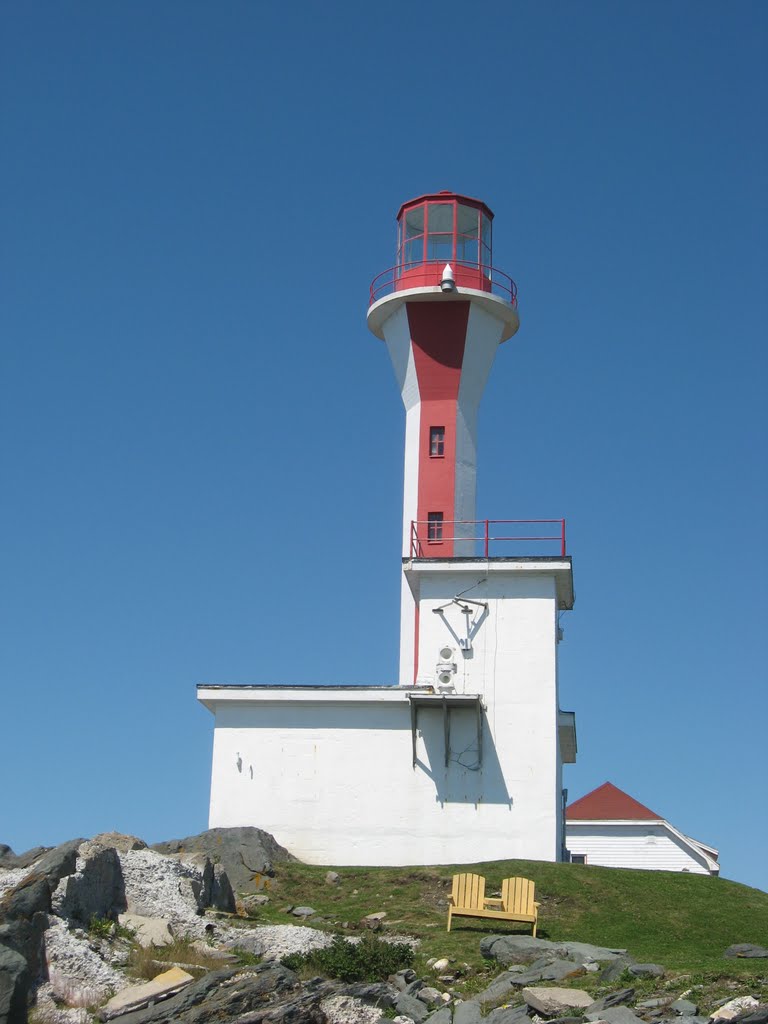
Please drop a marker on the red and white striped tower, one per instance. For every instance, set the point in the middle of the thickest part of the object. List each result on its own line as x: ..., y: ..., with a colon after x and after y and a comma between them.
x: 443, y: 310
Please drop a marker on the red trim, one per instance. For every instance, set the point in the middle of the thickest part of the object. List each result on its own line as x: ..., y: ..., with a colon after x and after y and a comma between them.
x: 445, y: 197
x: 438, y: 335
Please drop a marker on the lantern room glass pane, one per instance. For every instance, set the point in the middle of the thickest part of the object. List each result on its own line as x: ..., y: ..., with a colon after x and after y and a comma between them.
x: 414, y: 222
x: 486, y: 221
x: 414, y: 250
x: 467, y: 220
x: 485, y: 257
x: 440, y: 218
x: 466, y: 250
x: 440, y: 247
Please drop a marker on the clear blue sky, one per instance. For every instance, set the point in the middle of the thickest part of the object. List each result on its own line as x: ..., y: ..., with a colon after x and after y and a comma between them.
x: 202, y: 443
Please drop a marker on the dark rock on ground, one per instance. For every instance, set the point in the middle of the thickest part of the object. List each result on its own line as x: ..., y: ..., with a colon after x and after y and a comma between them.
x: 508, y: 1015
x: 378, y: 993
x: 242, y: 852
x: 24, y: 935
x: 647, y: 970
x: 443, y: 1016
x: 556, y: 970
x: 615, y: 969
x: 409, y: 1006
x: 228, y: 994
x: 14, y: 987
x: 745, y: 949
x: 623, y: 995
x: 499, y: 989
x: 614, y: 1015
x: 469, y: 1012
x: 758, y: 1016
x: 684, y: 1007
x: 524, y: 949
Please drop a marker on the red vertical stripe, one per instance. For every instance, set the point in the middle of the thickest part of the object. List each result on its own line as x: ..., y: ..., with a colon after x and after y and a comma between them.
x: 438, y: 336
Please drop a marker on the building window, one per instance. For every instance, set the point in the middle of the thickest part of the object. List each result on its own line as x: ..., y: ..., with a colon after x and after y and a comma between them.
x: 578, y: 858
x: 437, y: 442
x: 434, y: 526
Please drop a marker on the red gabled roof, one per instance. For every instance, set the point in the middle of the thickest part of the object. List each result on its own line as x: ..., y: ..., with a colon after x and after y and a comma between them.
x: 608, y: 802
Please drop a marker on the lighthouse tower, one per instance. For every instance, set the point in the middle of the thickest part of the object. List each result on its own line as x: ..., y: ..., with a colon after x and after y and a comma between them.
x: 443, y: 310
x: 462, y: 759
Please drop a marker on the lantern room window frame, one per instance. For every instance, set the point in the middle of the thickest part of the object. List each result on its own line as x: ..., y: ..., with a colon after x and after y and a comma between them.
x: 422, y: 237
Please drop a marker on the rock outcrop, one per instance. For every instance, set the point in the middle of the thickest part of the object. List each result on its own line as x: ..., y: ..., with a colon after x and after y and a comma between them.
x: 243, y: 853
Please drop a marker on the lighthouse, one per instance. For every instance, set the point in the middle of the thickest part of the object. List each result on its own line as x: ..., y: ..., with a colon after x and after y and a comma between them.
x: 443, y: 310
x: 461, y: 758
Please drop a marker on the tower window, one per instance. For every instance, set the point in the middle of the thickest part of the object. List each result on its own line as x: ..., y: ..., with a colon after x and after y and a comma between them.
x: 434, y: 526
x: 578, y: 858
x: 437, y: 442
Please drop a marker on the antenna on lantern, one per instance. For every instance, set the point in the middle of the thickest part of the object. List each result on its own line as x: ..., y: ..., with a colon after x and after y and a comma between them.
x: 447, y: 281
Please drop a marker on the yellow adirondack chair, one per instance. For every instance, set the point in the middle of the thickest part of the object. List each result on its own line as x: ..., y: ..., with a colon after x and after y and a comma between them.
x: 468, y: 899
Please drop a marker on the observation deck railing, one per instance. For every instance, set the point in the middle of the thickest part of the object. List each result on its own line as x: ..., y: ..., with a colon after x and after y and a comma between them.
x: 408, y: 275
x: 490, y: 537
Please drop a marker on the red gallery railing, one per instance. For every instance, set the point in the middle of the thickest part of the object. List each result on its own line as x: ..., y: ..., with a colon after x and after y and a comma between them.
x: 428, y: 272
x: 428, y: 537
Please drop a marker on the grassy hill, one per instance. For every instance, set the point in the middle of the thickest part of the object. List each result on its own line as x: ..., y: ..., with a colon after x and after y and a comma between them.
x: 682, y: 921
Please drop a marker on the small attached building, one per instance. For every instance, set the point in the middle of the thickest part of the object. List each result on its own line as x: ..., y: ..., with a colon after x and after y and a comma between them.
x: 610, y: 828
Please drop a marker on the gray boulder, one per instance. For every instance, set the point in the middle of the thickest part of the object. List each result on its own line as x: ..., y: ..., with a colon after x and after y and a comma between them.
x: 616, y: 969
x: 745, y: 949
x: 411, y: 1007
x: 647, y: 970
x: 524, y: 949
x: 14, y: 987
x: 684, y: 1008
x: 58, y: 862
x: 377, y: 993
x: 508, y: 1015
x: 443, y: 1016
x: 242, y: 852
x: 468, y: 1012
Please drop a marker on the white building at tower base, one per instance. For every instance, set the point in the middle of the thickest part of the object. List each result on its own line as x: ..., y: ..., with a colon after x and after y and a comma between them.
x: 426, y: 774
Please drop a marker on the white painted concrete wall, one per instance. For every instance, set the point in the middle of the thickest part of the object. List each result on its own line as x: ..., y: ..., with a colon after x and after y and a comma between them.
x: 331, y: 776
x: 643, y: 845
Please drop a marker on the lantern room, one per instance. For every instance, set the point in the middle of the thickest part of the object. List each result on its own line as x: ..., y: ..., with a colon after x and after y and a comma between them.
x: 441, y: 228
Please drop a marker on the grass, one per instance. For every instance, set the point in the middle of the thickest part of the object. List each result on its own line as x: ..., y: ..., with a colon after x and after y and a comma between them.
x: 146, y: 963
x: 682, y: 921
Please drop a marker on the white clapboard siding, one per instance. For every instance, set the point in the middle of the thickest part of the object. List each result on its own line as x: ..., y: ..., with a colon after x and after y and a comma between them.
x: 651, y: 845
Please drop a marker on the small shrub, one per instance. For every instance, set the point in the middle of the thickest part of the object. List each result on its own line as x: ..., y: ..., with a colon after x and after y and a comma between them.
x: 371, y: 959
x: 101, y: 927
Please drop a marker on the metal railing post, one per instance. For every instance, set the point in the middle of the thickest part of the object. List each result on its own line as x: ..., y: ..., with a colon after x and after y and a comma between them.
x: 486, y: 538
x: 562, y: 527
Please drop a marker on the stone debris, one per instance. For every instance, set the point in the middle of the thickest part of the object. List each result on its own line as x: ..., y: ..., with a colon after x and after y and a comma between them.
x: 735, y: 1008
x: 554, y: 1002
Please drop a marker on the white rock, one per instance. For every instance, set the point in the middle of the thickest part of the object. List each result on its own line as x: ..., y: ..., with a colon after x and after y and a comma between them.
x: 734, y: 1007
x: 440, y: 965
x: 347, y: 1010
x: 78, y: 976
x: 149, y: 931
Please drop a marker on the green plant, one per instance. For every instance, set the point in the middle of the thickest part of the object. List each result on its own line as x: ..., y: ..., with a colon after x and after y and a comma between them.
x: 371, y: 959
x: 101, y: 927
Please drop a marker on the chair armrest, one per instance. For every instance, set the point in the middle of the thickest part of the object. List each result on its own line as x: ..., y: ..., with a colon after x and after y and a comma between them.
x: 494, y: 899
